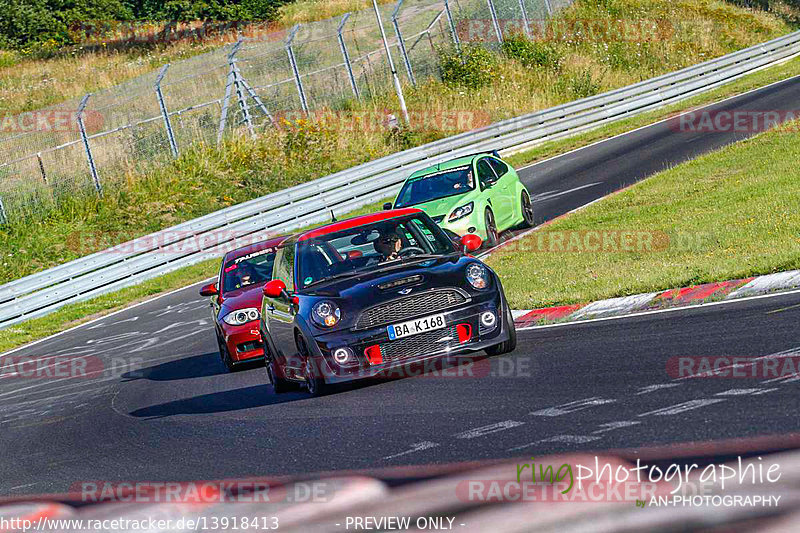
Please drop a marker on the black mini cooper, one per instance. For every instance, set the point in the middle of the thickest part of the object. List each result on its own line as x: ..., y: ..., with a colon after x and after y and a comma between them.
x: 363, y: 296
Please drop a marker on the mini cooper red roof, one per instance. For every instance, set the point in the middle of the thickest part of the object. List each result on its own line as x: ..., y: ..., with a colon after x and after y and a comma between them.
x: 358, y: 221
x: 255, y: 247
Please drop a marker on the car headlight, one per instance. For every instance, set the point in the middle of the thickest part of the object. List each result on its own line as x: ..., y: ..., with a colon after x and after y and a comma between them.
x: 326, y: 313
x: 460, y: 212
x: 242, y: 316
x: 477, y: 276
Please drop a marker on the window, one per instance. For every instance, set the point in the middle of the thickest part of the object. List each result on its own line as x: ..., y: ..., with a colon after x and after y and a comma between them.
x: 250, y: 269
x: 437, y: 185
x: 498, y: 166
x: 284, y: 266
x: 485, y: 173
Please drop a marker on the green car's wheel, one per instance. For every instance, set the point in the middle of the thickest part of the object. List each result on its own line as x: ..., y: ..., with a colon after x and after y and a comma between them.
x: 527, y: 209
x: 491, y: 229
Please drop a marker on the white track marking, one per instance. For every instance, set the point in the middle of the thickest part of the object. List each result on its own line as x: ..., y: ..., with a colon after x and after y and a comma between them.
x: 611, y: 426
x: 572, y: 407
x: 565, y: 439
x: 418, y: 447
x: 652, y: 388
x: 118, y: 311
x: 488, y: 430
x: 683, y: 407
x: 543, y: 197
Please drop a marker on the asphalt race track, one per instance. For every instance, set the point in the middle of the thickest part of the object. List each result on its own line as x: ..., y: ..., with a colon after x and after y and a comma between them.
x: 160, y: 405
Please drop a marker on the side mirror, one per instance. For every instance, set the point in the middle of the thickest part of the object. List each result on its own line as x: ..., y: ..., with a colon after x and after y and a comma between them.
x: 471, y: 242
x: 387, y: 206
x: 274, y: 289
x: 209, y: 290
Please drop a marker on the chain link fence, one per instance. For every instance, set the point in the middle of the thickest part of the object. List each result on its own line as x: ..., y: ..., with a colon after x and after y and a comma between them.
x: 86, y: 146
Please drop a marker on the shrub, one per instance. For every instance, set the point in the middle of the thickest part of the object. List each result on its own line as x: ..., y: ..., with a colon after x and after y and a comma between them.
x: 531, y: 54
x: 578, y: 85
x: 474, y: 68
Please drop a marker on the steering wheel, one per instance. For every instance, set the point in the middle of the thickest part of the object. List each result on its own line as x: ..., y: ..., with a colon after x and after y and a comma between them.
x: 407, y: 249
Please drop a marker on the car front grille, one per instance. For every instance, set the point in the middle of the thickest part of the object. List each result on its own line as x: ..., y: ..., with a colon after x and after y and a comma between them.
x: 423, y: 344
x: 416, y: 305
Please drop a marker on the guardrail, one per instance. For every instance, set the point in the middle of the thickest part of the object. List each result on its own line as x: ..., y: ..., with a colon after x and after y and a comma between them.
x: 312, y: 202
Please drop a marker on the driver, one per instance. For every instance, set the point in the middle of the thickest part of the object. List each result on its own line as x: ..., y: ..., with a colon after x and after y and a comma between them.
x: 246, y: 275
x: 388, y: 245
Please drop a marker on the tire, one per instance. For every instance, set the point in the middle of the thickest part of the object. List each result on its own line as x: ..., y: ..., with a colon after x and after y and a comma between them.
x: 279, y: 385
x: 314, y: 382
x: 526, y: 207
x: 491, y: 229
x: 225, y: 356
x: 510, y: 344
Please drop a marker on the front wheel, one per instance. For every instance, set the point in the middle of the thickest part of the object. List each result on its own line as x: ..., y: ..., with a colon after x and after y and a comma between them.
x: 314, y: 382
x: 526, y: 207
x: 510, y: 344
x: 491, y: 230
x: 225, y: 356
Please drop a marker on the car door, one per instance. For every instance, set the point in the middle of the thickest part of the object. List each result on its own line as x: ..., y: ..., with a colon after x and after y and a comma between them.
x: 497, y: 198
x: 280, y: 311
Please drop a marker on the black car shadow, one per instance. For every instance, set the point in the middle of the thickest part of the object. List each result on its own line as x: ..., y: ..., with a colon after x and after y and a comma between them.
x: 220, y: 402
x: 196, y: 366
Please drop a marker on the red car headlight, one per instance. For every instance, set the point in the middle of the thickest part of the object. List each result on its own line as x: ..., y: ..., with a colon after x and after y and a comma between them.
x: 241, y: 316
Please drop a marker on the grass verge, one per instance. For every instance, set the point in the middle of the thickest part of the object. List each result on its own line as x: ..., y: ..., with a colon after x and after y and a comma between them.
x: 726, y: 215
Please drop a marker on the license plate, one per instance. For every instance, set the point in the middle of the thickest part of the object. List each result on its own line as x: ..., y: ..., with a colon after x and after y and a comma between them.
x: 413, y: 327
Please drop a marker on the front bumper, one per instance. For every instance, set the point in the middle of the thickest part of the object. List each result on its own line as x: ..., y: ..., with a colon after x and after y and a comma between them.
x: 422, y: 347
x: 243, y: 342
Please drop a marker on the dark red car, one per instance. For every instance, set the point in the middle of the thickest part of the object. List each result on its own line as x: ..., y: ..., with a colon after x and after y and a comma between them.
x: 236, y: 301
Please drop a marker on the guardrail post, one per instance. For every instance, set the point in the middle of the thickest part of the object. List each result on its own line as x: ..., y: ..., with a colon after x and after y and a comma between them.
x: 3, y: 217
x: 401, y: 43
x: 345, y: 55
x: 524, y: 14
x: 293, y: 62
x: 452, y: 24
x: 79, y: 117
x: 548, y: 7
x: 173, y: 146
x: 223, y: 115
x: 495, y: 22
x: 41, y: 167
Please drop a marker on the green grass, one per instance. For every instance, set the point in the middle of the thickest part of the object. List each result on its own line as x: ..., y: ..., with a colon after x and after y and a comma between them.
x: 726, y: 215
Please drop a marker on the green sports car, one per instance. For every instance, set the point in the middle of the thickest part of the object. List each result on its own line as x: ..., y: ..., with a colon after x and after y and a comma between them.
x: 458, y: 202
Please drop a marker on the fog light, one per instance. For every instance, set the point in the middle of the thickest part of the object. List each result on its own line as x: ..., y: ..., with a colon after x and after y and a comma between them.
x: 488, y: 320
x: 472, y: 229
x: 342, y: 355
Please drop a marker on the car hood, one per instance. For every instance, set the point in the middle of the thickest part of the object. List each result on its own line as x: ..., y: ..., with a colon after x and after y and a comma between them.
x: 249, y: 296
x: 443, y: 206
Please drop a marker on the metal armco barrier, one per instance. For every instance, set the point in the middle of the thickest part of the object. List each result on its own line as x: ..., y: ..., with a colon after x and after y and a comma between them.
x: 213, y: 234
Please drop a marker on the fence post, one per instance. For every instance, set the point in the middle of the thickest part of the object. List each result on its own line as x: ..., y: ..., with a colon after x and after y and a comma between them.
x: 223, y: 116
x: 253, y: 95
x: 397, y: 87
x: 524, y: 14
x: 240, y: 97
x: 548, y: 7
x: 41, y: 167
x: 98, y: 187
x: 173, y: 146
x: 3, y: 217
x: 402, y: 44
x: 495, y: 22
x: 345, y: 55
x: 452, y: 26
x: 293, y: 63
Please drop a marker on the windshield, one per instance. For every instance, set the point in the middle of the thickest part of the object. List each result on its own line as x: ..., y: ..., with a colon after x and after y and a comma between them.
x: 248, y: 270
x: 441, y: 184
x: 386, y: 243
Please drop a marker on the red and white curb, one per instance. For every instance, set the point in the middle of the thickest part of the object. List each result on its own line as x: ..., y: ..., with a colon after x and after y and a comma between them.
x: 651, y: 301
